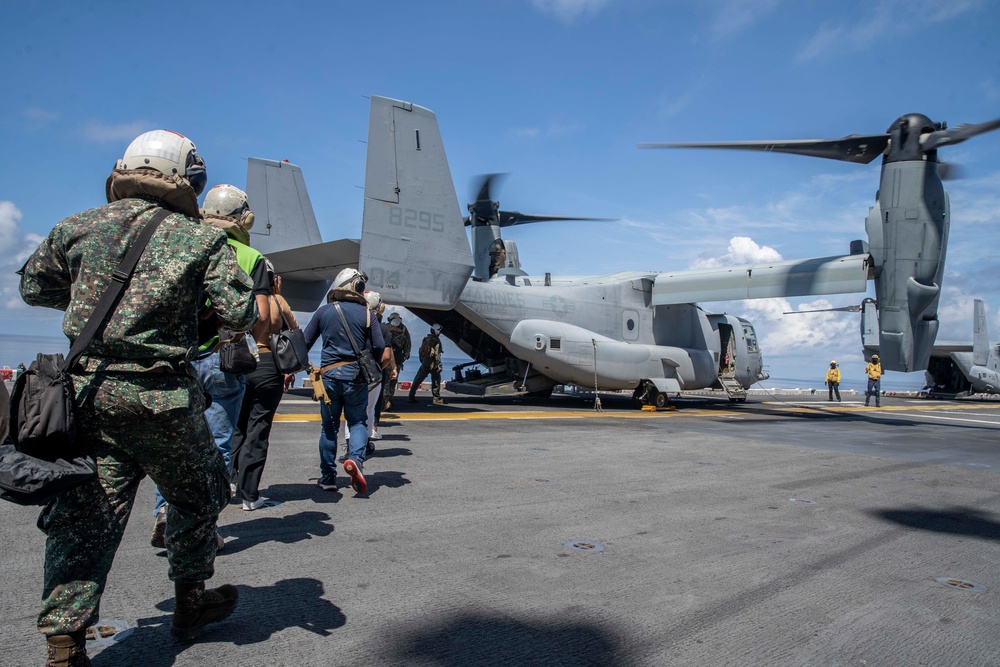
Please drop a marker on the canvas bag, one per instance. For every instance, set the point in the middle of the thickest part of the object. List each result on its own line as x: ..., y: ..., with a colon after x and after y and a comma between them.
x: 288, y: 348
x: 235, y: 353
x: 42, y: 420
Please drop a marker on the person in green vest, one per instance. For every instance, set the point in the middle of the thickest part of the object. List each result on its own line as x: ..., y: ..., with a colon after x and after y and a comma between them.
x: 227, y: 208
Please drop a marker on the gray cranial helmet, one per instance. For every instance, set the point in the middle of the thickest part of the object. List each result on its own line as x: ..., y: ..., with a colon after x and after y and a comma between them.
x: 230, y: 201
x: 395, y: 319
x: 169, y: 153
x: 436, y: 328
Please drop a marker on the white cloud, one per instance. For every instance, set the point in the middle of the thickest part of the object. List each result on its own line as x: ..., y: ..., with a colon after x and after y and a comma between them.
x: 524, y: 132
x: 885, y: 19
x: 554, y: 130
x: 742, y: 250
x: 670, y: 108
x: 737, y: 15
x: 15, y: 248
x: 569, y: 11
x: 104, y: 132
x: 38, y: 116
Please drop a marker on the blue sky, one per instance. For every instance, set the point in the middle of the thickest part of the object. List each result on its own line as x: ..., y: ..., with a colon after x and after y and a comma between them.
x: 556, y: 93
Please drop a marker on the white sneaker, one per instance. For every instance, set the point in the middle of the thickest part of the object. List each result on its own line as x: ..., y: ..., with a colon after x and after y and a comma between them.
x: 375, y: 435
x: 255, y: 505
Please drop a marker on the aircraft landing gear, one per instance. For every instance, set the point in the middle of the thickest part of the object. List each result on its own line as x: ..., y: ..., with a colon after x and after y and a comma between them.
x: 647, y: 394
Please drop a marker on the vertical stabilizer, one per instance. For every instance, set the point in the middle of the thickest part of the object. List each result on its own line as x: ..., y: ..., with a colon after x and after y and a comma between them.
x: 413, y: 242
x: 283, y: 214
x: 980, y: 336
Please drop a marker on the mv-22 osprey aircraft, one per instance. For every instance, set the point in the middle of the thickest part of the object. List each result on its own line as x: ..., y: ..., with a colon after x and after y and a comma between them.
x: 636, y: 330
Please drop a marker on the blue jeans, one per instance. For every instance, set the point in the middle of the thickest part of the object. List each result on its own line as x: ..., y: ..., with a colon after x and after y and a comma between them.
x: 226, y: 391
x: 351, y: 398
x: 874, y: 389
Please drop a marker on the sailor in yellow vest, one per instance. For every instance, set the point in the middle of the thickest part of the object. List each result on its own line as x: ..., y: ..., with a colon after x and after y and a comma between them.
x: 874, y: 372
x: 833, y: 381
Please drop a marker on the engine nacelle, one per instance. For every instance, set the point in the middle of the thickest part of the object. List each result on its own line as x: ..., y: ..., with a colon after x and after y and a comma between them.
x: 908, y: 238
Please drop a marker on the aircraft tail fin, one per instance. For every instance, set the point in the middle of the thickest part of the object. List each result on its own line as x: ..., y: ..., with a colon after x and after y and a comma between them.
x: 413, y: 242
x: 980, y: 336
x: 283, y: 214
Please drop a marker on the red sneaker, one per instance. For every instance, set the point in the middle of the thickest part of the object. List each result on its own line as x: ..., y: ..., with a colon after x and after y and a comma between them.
x: 358, y: 483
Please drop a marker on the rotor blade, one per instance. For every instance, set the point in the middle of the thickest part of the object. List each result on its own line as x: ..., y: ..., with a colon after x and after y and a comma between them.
x: 859, y: 148
x: 842, y: 309
x: 949, y: 171
x: 485, y: 184
x: 508, y: 218
x: 956, y: 134
x: 483, y: 210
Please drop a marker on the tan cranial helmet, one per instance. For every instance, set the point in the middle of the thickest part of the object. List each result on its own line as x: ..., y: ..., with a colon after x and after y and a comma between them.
x: 374, y: 300
x: 229, y: 201
x: 170, y: 154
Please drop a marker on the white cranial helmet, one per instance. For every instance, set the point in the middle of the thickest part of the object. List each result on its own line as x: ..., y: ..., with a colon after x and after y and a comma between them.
x: 230, y: 201
x: 351, y: 279
x: 374, y: 300
x: 169, y: 153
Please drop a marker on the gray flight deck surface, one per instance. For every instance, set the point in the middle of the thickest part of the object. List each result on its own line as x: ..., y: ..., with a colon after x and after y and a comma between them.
x: 785, y: 531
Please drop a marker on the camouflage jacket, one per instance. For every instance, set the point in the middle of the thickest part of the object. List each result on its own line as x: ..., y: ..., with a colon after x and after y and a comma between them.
x: 155, y: 325
x: 401, y: 343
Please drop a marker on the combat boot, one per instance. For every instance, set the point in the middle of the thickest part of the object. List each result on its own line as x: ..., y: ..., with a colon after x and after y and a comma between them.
x: 67, y: 650
x: 198, y: 606
x: 157, y: 538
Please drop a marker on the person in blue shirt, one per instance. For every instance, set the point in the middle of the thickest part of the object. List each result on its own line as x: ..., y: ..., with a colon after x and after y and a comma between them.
x: 342, y: 379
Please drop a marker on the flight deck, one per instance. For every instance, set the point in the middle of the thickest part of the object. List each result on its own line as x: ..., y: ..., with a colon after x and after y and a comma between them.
x: 783, y: 531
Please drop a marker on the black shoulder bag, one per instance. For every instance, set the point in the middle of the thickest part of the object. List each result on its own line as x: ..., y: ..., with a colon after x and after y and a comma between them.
x: 371, y: 371
x: 288, y: 347
x: 44, y: 461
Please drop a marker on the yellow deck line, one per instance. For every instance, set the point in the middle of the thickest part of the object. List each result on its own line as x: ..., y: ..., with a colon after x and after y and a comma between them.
x: 798, y: 407
x: 637, y: 414
x: 521, y: 414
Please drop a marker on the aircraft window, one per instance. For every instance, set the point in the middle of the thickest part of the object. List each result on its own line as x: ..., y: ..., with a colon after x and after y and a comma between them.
x: 751, y: 337
x: 555, y: 343
x: 630, y: 324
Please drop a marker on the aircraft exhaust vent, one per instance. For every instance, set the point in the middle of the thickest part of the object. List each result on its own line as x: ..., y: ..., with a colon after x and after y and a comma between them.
x: 555, y: 343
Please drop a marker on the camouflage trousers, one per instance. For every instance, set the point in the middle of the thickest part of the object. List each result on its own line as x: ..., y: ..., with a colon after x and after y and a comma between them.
x: 135, y: 424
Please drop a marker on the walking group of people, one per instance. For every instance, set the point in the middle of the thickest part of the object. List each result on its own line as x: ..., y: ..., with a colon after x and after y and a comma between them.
x: 154, y: 396
x: 873, y: 370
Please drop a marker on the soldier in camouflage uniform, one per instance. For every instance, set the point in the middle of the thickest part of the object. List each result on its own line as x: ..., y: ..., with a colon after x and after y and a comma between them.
x: 140, y: 408
x: 400, y: 341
